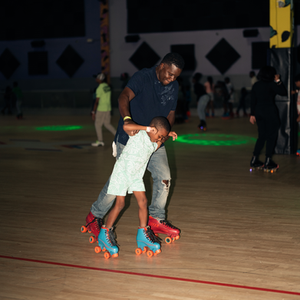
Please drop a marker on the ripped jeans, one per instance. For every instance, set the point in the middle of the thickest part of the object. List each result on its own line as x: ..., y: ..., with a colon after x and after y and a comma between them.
x: 159, y: 167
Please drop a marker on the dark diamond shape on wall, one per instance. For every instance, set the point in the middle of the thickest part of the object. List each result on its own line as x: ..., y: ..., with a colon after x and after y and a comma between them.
x: 8, y: 63
x: 70, y: 61
x: 144, y: 57
x: 222, y: 56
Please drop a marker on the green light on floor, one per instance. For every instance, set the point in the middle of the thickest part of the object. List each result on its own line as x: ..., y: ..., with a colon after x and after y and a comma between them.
x: 214, y: 139
x: 59, y: 128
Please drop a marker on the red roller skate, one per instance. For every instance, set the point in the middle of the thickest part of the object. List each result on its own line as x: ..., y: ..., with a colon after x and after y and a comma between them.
x: 93, y: 225
x: 164, y: 227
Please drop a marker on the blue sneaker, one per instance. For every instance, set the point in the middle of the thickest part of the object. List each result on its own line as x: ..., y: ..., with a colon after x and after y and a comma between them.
x: 107, y: 243
x: 147, y: 241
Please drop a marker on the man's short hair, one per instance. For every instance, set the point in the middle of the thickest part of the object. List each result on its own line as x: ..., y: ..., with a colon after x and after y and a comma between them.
x: 297, y: 78
x: 161, y: 122
x: 173, y: 59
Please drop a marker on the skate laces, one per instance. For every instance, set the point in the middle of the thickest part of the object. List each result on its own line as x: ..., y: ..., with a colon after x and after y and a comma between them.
x: 110, y: 237
x: 167, y: 223
x: 98, y: 222
x: 151, y: 236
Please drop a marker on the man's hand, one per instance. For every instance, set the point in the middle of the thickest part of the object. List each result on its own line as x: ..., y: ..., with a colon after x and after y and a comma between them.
x: 93, y: 116
x: 173, y: 134
x: 130, y: 132
x: 252, y: 119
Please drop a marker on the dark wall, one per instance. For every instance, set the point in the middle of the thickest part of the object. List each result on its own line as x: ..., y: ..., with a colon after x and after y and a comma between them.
x: 43, y: 19
x: 190, y: 15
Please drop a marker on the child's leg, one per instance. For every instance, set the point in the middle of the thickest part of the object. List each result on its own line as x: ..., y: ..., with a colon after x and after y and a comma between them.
x: 114, y: 213
x: 143, y: 211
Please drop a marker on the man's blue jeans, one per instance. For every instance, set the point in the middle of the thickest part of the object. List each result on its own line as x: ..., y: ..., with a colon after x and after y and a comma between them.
x: 159, y: 167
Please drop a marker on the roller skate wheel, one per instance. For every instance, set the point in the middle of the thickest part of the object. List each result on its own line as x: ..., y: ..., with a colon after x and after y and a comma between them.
x: 157, y: 252
x: 272, y: 171
x: 150, y: 253
x: 106, y: 255
x: 168, y: 240
x: 83, y: 229
x: 138, y: 251
x: 103, y: 249
x: 177, y: 237
x: 97, y: 249
x: 92, y: 239
x: 89, y: 231
x: 115, y: 255
x: 145, y: 250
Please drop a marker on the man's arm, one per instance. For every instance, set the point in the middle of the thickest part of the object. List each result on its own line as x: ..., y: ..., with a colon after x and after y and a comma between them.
x: 125, y: 97
x: 171, y: 117
x: 94, y: 109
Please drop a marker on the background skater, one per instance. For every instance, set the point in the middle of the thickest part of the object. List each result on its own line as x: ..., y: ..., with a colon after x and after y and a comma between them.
x: 265, y: 113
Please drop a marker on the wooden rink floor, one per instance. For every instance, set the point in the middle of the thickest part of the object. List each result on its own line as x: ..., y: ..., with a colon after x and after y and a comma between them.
x: 240, y: 236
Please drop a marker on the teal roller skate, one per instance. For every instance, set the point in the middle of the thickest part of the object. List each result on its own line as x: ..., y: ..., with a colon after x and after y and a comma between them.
x: 147, y: 241
x: 107, y: 243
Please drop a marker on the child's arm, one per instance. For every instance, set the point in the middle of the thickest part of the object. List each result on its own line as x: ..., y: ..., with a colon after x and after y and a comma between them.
x: 133, y: 126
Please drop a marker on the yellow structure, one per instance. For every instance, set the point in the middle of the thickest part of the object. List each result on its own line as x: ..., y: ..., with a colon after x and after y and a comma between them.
x: 281, y: 23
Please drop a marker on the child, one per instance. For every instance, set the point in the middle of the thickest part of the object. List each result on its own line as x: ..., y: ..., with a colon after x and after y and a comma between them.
x: 127, y: 176
x: 297, y: 83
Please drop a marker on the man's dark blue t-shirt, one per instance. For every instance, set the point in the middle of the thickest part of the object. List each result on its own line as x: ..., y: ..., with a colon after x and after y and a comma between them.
x: 152, y: 99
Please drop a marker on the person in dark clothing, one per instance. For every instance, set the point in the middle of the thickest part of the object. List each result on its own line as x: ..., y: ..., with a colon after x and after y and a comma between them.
x: 7, y: 100
x: 242, y: 103
x: 180, y: 112
x: 265, y: 113
x: 199, y: 89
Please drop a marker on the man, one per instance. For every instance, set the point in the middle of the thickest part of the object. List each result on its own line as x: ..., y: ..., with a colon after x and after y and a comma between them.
x: 102, y: 109
x: 252, y: 78
x: 19, y: 99
x: 149, y: 93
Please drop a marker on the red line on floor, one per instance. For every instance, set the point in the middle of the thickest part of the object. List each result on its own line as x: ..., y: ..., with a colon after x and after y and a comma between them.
x: 153, y: 276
